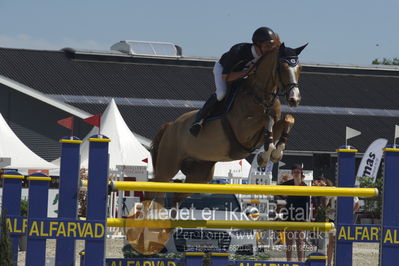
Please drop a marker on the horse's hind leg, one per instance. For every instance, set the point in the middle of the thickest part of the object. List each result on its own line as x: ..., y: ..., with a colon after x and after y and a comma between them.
x: 196, y: 172
x: 280, y: 132
x: 165, y: 169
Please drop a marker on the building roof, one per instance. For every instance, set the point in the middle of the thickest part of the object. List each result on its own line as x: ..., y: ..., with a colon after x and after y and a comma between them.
x: 150, y: 91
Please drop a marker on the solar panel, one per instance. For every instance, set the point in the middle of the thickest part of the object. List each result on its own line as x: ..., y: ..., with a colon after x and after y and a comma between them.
x: 198, y: 104
x: 341, y: 111
x: 146, y: 48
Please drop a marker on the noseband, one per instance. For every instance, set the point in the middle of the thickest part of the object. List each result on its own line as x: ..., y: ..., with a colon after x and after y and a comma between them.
x: 292, y: 61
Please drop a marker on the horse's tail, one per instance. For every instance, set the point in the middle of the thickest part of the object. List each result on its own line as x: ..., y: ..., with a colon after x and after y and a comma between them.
x: 155, y: 144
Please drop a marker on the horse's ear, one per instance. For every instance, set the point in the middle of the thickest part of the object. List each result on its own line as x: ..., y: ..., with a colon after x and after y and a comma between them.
x: 282, y: 49
x: 299, y: 49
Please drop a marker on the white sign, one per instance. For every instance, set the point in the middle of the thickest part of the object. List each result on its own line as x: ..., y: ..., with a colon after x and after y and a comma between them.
x: 140, y: 172
x: 260, y: 175
x: 371, y: 159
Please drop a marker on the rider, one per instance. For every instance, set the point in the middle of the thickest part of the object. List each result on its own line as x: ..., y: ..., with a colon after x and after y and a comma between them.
x: 235, y: 64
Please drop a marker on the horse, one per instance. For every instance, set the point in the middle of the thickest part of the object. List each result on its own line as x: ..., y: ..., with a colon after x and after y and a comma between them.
x: 255, y: 119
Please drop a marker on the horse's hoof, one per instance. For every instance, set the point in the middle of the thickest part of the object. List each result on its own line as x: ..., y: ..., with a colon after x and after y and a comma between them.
x: 260, y: 161
x: 289, y: 119
x: 195, y: 129
x: 276, y: 159
x: 277, y: 154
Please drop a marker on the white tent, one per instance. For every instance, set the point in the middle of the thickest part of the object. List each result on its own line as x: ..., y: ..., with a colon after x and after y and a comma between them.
x: 124, y: 148
x: 22, y: 158
x: 233, y: 170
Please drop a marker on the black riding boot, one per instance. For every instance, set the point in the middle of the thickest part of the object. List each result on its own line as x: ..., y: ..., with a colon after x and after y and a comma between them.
x: 203, y: 113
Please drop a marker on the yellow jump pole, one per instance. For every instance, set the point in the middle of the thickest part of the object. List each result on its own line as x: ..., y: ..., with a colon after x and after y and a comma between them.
x: 244, y: 189
x: 273, y: 225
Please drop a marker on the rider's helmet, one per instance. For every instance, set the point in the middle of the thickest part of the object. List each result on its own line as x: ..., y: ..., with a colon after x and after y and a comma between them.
x: 263, y: 34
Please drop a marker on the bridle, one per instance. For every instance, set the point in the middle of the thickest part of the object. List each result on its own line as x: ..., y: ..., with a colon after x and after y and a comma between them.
x: 266, y: 104
x: 292, y: 61
x: 282, y: 90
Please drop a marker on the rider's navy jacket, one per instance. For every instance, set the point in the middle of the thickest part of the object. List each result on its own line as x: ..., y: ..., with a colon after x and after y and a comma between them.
x: 237, y: 58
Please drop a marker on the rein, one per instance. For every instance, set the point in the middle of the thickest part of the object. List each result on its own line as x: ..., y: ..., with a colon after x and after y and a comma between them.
x: 266, y: 105
x: 239, y: 148
x: 286, y: 88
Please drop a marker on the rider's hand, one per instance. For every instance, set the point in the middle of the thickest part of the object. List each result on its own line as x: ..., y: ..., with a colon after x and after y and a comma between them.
x: 249, y: 70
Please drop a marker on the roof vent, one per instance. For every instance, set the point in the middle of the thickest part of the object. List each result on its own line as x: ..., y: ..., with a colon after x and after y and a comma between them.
x: 148, y: 48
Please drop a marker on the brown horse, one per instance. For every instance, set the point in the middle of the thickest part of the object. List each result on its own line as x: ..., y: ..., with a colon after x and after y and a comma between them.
x: 254, y: 120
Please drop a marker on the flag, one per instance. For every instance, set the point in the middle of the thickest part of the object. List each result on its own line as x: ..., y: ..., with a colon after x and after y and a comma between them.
x: 396, y: 135
x: 350, y: 133
x: 145, y: 160
x: 66, y: 122
x: 94, y: 120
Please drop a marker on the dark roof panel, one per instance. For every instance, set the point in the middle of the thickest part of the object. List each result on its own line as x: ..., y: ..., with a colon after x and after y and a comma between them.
x: 54, y: 72
x: 72, y: 73
x: 349, y: 91
x: 327, y: 132
x: 311, y: 132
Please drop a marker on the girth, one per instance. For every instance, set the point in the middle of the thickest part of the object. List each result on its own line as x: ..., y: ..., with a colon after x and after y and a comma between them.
x: 237, y: 150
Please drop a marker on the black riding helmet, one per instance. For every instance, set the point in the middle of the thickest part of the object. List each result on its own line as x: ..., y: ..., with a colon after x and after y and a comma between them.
x: 263, y: 34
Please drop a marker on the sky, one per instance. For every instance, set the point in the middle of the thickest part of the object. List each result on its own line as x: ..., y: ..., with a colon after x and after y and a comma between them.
x: 342, y: 32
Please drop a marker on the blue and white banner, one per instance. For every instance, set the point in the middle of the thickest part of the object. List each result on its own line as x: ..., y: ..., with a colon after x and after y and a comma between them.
x: 372, y: 159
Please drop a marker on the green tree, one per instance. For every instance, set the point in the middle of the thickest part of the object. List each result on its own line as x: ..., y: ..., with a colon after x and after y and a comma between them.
x: 386, y: 61
x: 372, y: 206
x: 5, y: 242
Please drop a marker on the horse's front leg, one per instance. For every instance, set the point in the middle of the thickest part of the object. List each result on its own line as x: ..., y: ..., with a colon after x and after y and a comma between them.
x: 280, y: 132
x: 264, y: 157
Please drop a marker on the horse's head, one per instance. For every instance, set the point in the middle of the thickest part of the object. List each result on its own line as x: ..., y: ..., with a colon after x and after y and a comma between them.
x: 288, y: 74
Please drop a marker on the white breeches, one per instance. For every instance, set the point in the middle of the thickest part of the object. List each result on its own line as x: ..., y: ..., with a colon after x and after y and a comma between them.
x: 221, y: 86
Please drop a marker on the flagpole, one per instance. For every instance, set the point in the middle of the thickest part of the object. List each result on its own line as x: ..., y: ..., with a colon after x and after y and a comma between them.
x: 242, y: 173
x: 94, y: 120
x: 72, y: 130
x: 67, y: 123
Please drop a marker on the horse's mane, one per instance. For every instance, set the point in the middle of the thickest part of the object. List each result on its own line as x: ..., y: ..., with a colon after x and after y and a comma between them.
x: 265, y: 67
x: 273, y: 54
x: 276, y: 40
x: 267, y: 60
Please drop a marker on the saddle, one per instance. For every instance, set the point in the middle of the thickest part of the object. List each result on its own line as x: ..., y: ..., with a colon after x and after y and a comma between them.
x: 224, y: 106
